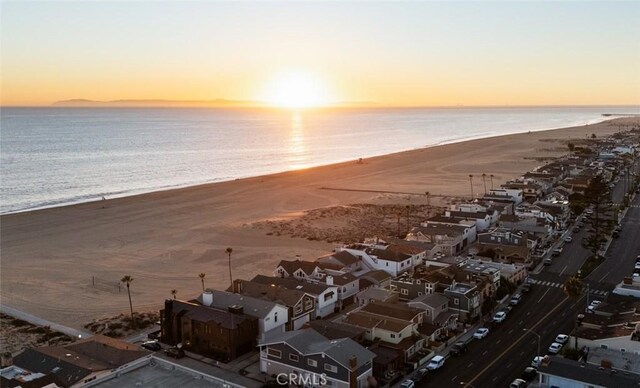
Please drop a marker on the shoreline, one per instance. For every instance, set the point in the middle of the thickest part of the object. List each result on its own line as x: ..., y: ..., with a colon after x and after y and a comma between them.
x: 63, y: 264
x: 138, y: 192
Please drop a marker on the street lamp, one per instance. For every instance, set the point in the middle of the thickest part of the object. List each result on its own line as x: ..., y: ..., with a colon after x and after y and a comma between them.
x: 537, y: 335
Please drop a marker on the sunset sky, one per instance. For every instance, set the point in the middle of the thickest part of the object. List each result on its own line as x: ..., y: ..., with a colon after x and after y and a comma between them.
x: 397, y: 54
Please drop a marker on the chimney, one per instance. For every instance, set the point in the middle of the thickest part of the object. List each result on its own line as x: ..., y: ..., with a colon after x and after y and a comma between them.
x: 207, y: 298
x: 353, y: 362
x: 237, y: 286
x: 236, y: 309
x: 353, y: 378
x: 329, y: 280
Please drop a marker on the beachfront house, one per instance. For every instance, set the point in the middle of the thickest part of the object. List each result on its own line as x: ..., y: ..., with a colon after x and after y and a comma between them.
x: 300, y: 304
x: 317, y: 360
x: 212, y: 332
x: 324, y: 294
x: 385, y: 257
x: 449, y: 238
x: 272, y: 317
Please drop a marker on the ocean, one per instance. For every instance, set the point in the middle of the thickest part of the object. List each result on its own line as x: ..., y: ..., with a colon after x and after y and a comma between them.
x: 59, y: 156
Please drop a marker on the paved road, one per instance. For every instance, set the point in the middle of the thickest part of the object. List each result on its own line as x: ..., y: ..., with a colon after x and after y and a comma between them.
x: 501, y: 357
x: 43, y: 322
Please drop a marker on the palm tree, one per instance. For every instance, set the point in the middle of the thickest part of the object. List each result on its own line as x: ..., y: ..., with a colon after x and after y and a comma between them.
x: 201, y: 275
x: 174, y: 292
x: 229, y: 251
x: 491, y: 176
x: 484, y: 182
x: 127, y: 279
x: 471, y: 181
x: 573, y: 289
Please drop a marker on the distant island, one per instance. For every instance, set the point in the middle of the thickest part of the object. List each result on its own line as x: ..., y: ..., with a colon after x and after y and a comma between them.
x: 81, y: 102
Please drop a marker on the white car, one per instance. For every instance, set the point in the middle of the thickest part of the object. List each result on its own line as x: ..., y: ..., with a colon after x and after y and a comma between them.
x: 436, y: 363
x: 537, y: 361
x: 562, y: 338
x: 637, y: 265
x: 555, y: 348
x: 593, y: 306
x: 568, y: 239
x: 500, y: 316
x: 481, y: 333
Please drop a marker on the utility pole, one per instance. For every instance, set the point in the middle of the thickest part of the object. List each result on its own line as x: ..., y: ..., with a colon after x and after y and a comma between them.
x: 471, y: 181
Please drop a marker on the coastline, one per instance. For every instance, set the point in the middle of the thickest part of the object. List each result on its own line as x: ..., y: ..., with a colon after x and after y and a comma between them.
x: 50, y: 257
x: 96, y: 197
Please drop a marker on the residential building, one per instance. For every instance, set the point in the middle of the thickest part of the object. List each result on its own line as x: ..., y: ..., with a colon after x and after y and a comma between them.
x: 209, y: 331
x: 77, y: 363
x: 465, y: 300
x: 563, y: 372
x: 343, y: 363
x: 300, y: 304
x: 298, y: 269
x: 450, y: 239
x: 325, y: 294
x: 438, y: 317
x: 384, y: 257
x: 272, y: 317
x: 515, y: 194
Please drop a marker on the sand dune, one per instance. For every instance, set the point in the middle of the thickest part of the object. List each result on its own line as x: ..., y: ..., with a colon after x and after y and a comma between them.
x: 165, y: 239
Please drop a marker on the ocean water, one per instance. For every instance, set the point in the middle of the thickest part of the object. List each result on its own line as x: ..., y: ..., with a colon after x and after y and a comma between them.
x: 58, y: 156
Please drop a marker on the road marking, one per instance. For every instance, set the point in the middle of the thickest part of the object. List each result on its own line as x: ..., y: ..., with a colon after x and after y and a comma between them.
x: 454, y: 378
x: 509, y: 365
x: 498, y: 341
x: 565, y: 267
x: 528, y: 312
x: 543, y: 295
x: 510, y: 331
x: 522, y: 353
x: 485, y: 352
x: 520, y: 323
x: 496, y: 359
x: 605, y: 275
x: 470, y: 364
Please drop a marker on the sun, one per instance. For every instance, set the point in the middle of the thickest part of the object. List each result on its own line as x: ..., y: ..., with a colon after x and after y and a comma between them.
x: 297, y: 89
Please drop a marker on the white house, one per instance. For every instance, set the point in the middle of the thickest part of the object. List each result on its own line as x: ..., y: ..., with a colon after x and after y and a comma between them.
x: 515, y: 194
x: 382, y: 257
x: 272, y: 317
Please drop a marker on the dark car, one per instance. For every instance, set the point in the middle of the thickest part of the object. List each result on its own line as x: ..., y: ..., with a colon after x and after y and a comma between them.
x: 529, y: 373
x: 154, y: 335
x: 459, y: 348
x: 151, y: 345
x: 174, y: 352
x: 420, y: 375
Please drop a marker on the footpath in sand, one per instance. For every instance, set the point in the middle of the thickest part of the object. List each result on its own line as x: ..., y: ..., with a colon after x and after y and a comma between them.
x: 64, y: 264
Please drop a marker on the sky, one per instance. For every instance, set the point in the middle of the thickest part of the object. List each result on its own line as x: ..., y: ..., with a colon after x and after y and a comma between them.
x: 388, y: 53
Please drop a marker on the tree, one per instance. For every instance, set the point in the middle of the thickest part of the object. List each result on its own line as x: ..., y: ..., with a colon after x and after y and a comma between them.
x: 593, y: 136
x: 174, y: 292
x: 471, y: 181
x: 201, y: 275
x: 229, y: 251
x: 484, y: 182
x: 573, y: 289
x: 577, y: 203
x: 598, y: 196
x: 127, y: 279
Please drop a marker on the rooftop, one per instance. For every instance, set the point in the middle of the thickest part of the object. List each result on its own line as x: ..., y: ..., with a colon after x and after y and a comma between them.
x: 590, y: 374
x: 255, y: 307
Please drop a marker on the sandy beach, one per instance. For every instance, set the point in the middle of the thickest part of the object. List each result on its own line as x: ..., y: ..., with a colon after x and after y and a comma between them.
x: 63, y: 264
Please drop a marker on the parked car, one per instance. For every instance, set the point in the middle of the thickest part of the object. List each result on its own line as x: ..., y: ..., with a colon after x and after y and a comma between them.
x: 526, y: 287
x: 174, y: 352
x: 436, y: 363
x: 556, y: 252
x: 592, y: 306
x: 499, y: 317
x: 515, y: 299
x: 537, y: 361
x: 408, y: 384
x: 459, y: 348
x: 481, y: 333
x: 529, y: 373
x: 637, y: 265
x: 562, y: 338
x: 151, y: 345
x: 555, y: 348
x: 154, y: 335
x: 420, y: 375
x: 576, y: 229
x: 518, y: 383
x: 568, y: 239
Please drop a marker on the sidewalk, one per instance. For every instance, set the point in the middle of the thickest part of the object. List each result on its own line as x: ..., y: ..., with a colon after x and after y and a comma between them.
x: 43, y: 322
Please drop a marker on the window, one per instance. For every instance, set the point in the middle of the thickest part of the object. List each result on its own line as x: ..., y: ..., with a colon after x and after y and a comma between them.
x: 275, y: 316
x: 311, y: 362
x: 294, y: 357
x: 393, y: 335
x: 330, y: 368
x: 275, y: 353
x: 418, y: 281
x: 419, y: 293
x: 456, y: 301
x: 404, y: 291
